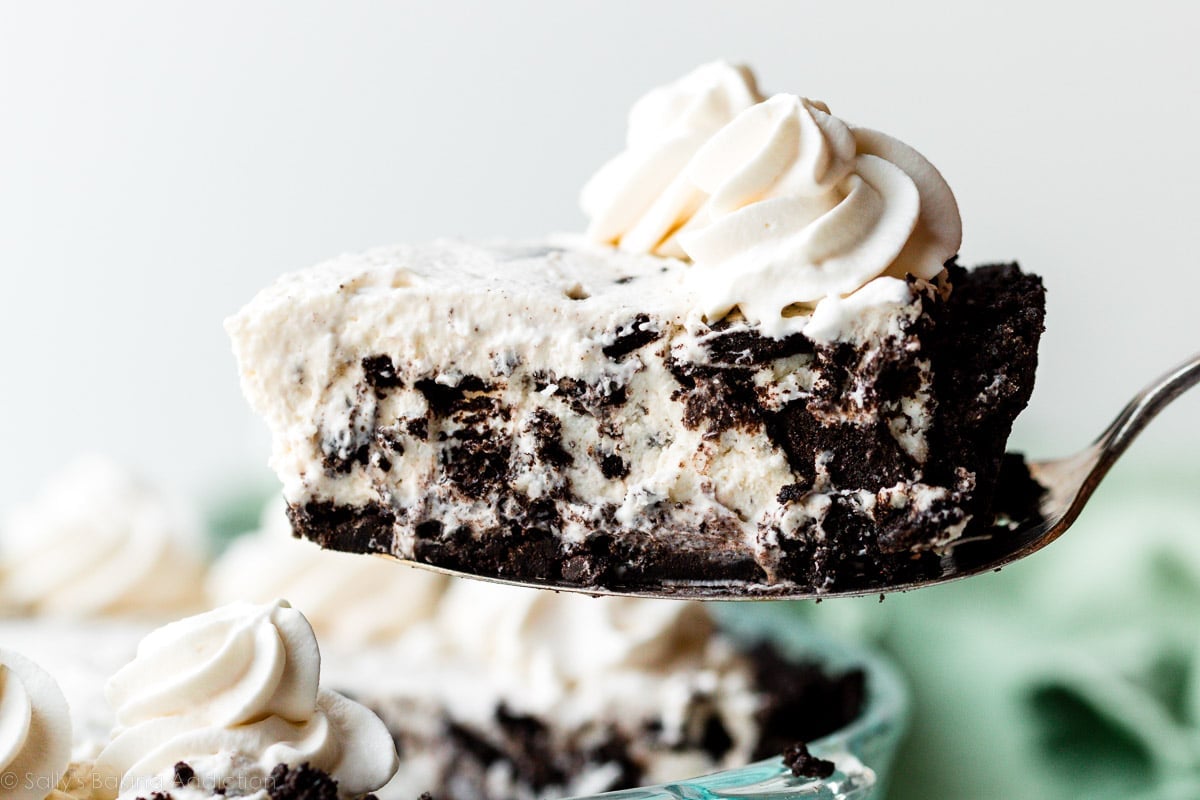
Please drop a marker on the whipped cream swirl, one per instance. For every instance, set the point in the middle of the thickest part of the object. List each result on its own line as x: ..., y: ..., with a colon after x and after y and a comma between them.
x: 97, y: 542
x: 794, y: 206
x: 35, y: 730
x: 349, y: 599
x: 234, y: 692
x: 639, y: 198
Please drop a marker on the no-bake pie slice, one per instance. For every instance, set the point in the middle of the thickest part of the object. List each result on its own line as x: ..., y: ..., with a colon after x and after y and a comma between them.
x: 762, y: 367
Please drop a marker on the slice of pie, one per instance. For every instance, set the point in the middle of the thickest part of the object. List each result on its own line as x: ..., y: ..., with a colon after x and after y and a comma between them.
x: 550, y: 414
x: 762, y: 366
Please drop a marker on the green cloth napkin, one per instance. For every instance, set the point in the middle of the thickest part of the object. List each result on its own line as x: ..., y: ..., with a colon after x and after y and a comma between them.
x: 237, y: 508
x: 1074, y: 674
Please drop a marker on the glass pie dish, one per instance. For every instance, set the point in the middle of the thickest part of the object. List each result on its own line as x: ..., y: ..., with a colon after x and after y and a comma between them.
x: 862, y: 751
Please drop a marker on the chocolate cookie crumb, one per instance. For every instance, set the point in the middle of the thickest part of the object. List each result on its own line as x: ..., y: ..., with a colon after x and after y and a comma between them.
x: 301, y: 783
x: 184, y: 774
x: 380, y: 373
x: 636, y: 334
x: 804, y: 764
x: 614, y: 467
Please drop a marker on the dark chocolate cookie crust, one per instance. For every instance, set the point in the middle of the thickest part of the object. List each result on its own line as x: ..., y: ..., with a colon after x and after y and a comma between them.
x: 981, y: 343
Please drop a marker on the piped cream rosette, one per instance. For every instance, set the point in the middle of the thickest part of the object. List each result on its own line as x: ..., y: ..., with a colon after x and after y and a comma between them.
x: 778, y: 204
x: 233, y: 693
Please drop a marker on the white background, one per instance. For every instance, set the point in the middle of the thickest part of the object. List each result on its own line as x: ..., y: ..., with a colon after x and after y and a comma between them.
x: 160, y: 161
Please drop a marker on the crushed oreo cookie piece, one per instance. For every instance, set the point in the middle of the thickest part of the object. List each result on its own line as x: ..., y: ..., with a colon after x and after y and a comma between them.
x: 633, y: 336
x: 380, y: 373
x: 184, y: 774
x: 613, y: 467
x: 804, y: 764
x: 301, y: 783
